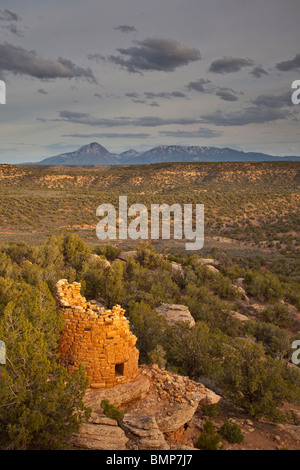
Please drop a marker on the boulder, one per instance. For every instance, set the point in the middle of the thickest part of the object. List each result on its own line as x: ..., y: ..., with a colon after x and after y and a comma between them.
x: 181, y: 414
x: 209, y: 261
x: 177, y: 269
x: 99, y: 437
x: 105, y: 262
x: 127, y: 254
x: 242, y: 291
x: 239, y: 316
x: 144, y: 432
x: 173, y: 399
x: 212, y: 269
x: 174, y: 313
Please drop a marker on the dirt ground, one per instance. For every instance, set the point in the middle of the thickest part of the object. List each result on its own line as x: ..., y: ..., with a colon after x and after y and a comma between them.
x: 258, y: 434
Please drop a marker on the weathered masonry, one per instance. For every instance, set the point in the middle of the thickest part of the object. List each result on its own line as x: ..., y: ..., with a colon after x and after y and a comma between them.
x: 97, y: 338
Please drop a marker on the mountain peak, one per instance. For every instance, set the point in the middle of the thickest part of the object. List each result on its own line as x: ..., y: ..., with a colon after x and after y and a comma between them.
x: 96, y: 154
x: 93, y: 147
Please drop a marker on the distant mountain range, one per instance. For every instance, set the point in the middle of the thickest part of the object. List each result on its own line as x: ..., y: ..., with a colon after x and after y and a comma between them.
x: 95, y: 154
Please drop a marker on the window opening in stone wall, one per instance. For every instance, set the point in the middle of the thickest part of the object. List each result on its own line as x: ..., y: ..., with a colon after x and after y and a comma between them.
x: 119, y: 370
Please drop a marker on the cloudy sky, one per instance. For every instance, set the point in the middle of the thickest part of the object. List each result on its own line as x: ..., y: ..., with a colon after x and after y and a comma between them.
x: 140, y: 73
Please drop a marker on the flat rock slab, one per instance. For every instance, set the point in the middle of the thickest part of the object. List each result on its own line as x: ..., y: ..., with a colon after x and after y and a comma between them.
x: 239, y: 316
x: 120, y: 395
x: 127, y: 254
x: 102, y: 419
x: 175, y: 313
x: 212, y: 269
x: 209, y: 261
x: 99, y: 437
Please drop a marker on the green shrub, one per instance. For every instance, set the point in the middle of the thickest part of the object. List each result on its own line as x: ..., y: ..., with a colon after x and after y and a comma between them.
x: 231, y: 432
x: 158, y: 356
x: 111, y: 411
x: 209, y: 439
x: 279, y: 315
x: 211, y: 410
x: 109, y: 251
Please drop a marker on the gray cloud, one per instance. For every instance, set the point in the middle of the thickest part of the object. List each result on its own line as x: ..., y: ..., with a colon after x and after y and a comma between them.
x: 12, y: 28
x: 157, y: 54
x: 134, y: 100
x: 96, y: 57
x: 8, y: 15
x: 132, y: 95
x: 144, y: 121
x: 124, y: 28
x: 110, y: 135
x: 293, y: 64
x: 164, y: 94
x: 229, y: 64
x: 273, y: 101
x: 205, y: 86
x: 250, y: 115
x: 226, y: 94
x: 201, y: 85
x: 258, y: 72
x: 17, y: 60
x: 200, y: 133
x: 98, y: 95
x: 42, y: 91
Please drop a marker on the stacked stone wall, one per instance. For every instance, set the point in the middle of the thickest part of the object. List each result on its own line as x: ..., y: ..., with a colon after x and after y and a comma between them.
x: 97, y: 338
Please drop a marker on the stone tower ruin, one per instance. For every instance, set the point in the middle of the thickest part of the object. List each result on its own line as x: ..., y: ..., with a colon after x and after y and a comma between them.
x: 97, y: 338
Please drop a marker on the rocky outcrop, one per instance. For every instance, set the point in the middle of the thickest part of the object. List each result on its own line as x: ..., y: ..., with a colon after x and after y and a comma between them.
x: 144, y: 432
x: 243, y: 293
x: 120, y: 396
x: 157, y: 404
x: 94, y: 436
x: 209, y: 261
x: 127, y: 254
x: 248, y: 308
x: 212, y: 269
x: 174, y: 313
x: 239, y: 316
x: 292, y: 430
x: 104, y: 262
x: 177, y: 269
x: 172, y: 399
